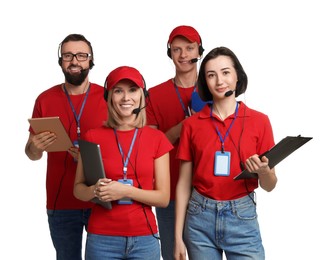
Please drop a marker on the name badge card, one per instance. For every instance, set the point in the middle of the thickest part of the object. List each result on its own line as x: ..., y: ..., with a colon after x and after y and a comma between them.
x: 125, y: 200
x: 222, y: 163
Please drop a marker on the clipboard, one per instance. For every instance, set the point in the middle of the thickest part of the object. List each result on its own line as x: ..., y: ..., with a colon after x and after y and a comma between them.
x: 52, y: 124
x: 93, y: 166
x: 278, y: 153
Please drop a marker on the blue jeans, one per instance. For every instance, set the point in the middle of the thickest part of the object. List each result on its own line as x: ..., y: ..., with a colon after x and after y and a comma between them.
x: 100, y: 247
x: 213, y: 227
x: 166, y: 221
x: 66, y: 229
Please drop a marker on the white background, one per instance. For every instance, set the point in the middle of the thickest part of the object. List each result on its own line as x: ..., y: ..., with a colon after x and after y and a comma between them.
x: 285, y: 47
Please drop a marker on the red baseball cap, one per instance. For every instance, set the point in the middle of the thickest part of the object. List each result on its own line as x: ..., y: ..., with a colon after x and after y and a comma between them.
x: 124, y: 72
x: 186, y: 31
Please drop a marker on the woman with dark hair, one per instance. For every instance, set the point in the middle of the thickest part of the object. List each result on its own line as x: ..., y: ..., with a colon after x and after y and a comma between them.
x: 216, y: 214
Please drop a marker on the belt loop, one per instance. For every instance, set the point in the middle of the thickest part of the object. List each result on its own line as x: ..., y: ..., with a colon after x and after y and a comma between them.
x: 254, y: 198
x: 205, y: 201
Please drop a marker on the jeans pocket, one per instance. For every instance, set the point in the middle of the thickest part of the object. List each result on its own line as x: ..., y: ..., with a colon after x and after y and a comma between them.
x: 194, y: 208
x: 245, y: 210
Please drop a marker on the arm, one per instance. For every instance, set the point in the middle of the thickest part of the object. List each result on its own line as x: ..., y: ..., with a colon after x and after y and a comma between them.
x: 158, y: 197
x: 37, y: 144
x: 173, y: 133
x: 81, y: 191
x: 183, y: 192
x: 267, y: 176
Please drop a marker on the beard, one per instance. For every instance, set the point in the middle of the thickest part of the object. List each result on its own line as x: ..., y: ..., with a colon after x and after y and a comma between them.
x: 76, y: 79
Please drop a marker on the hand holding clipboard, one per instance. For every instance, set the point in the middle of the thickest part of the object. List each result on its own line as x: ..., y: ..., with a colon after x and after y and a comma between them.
x: 278, y: 153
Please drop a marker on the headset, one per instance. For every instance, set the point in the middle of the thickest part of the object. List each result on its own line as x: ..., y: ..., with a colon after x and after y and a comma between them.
x: 105, y: 93
x: 60, y: 60
x: 200, y: 49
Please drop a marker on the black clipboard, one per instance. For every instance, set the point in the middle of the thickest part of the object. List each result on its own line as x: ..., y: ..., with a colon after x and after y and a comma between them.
x: 278, y: 153
x: 93, y: 166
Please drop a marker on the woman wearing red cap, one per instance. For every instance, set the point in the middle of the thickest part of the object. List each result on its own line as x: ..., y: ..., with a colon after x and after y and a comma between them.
x: 169, y: 104
x: 136, y: 163
x: 215, y: 213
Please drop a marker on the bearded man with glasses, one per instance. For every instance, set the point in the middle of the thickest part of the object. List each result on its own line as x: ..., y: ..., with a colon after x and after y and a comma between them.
x: 80, y: 106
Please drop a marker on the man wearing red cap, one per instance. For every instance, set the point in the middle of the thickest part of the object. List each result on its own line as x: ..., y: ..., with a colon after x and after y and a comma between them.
x: 168, y: 105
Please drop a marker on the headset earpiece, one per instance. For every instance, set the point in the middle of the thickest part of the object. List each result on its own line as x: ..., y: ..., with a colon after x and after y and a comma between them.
x: 105, y: 95
x: 59, y: 55
x: 169, y: 54
x: 91, y: 64
x: 146, y: 94
x: 200, y: 48
x: 105, y: 92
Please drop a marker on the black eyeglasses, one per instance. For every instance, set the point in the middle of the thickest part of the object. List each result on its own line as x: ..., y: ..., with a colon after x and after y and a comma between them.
x: 79, y: 56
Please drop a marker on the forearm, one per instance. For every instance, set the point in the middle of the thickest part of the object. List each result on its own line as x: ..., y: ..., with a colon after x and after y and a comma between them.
x: 268, y: 181
x: 32, y: 155
x: 183, y: 193
x: 155, y: 198
x: 83, y: 192
x: 80, y: 189
x: 160, y: 194
x: 181, y: 203
x: 267, y: 176
x: 173, y: 134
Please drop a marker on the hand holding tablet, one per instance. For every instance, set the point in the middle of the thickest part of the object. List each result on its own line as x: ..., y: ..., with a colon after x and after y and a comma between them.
x: 54, y: 125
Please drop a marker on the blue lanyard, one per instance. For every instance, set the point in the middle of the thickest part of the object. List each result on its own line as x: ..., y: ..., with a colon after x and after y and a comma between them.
x: 77, y: 117
x: 186, y: 112
x: 222, y: 140
x: 126, y: 161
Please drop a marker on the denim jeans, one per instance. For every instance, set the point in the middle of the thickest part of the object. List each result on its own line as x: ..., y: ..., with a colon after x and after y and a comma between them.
x: 100, y: 247
x: 166, y: 220
x: 214, y: 227
x: 66, y: 229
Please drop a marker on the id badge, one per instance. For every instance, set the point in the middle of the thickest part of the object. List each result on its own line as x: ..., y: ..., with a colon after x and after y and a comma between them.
x: 125, y: 200
x: 222, y: 163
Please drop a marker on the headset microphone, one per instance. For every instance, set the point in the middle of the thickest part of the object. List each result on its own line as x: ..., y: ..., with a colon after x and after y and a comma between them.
x: 137, y: 110
x: 194, y: 60
x: 229, y: 93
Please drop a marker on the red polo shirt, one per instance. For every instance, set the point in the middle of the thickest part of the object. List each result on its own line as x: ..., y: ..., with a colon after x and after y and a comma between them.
x: 251, y: 133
